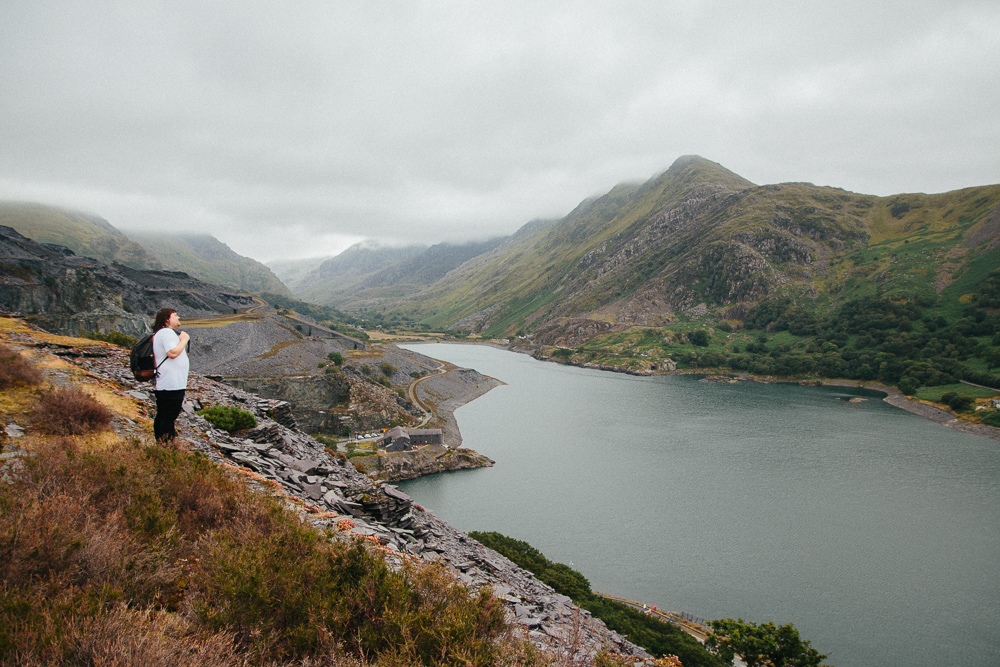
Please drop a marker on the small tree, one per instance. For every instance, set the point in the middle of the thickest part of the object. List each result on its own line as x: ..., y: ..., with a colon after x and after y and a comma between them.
x: 760, y: 645
x: 699, y: 337
x: 228, y: 418
x: 336, y: 357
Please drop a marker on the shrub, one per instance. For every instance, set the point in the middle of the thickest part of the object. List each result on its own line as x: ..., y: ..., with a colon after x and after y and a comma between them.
x: 651, y: 633
x: 16, y: 371
x: 131, y: 555
x: 69, y: 411
x: 699, y: 337
x: 228, y: 417
x: 909, y: 386
x: 336, y: 357
x: 387, y: 368
x: 962, y: 403
x: 114, y: 337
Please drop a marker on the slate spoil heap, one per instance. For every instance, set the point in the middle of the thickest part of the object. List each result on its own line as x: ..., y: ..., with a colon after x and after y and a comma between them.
x: 329, y: 492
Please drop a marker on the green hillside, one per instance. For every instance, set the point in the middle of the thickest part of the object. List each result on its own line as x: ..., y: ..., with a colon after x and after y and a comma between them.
x: 365, y: 274
x: 206, y: 258
x: 84, y: 234
x: 698, y: 268
x: 199, y: 255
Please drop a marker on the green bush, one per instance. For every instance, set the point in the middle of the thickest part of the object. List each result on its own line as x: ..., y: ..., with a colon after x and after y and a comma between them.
x: 699, y: 338
x: 962, y: 403
x: 387, y: 368
x: 652, y: 634
x: 228, y: 418
x: 336, y: 357
x: 992, y: 419
x: 909, y: 386
x: 113, y: 337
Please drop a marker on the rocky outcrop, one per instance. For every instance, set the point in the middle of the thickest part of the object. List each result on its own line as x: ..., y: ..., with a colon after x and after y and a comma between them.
x: 311, y: 397
x: 429, y: 460
x: 71, y: 295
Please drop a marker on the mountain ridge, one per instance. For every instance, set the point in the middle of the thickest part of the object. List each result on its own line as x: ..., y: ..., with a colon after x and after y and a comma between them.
x: 200, y: 255
x: 698, y: 233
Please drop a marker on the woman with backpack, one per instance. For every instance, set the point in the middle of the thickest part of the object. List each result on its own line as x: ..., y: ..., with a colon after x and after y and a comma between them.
x: 170, y: 353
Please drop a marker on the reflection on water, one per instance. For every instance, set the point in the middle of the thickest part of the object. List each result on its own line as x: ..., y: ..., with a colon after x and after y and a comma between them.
x: 876, y: 532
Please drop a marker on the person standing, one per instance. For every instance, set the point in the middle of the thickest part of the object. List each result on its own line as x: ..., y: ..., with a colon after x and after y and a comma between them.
x: 170, y: 354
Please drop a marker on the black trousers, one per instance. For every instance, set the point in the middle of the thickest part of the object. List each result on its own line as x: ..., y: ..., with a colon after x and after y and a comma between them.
x: 168, y: 406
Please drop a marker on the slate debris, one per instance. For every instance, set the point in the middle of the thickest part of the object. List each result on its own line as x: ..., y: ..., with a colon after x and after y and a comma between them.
x: 327, y: 489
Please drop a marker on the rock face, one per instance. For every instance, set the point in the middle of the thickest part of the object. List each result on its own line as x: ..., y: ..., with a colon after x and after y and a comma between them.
x: 72, y: 295
x: 330, y: 493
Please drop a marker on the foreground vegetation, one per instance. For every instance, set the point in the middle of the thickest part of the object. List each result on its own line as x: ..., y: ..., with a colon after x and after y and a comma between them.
x: 758, y: 645
x: 117, y: 553
x: 657, y: 637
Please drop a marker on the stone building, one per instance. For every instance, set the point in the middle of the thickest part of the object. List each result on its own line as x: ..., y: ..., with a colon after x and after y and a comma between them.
x: 401, y: 439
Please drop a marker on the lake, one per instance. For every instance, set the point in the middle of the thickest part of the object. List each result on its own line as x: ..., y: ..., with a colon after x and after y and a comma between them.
x: 874, y: 531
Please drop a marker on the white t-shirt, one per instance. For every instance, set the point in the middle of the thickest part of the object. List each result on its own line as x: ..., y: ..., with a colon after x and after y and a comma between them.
x: 173, y: 373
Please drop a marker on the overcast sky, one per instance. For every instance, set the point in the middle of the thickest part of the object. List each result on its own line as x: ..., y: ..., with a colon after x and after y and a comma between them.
x: 293, y: 129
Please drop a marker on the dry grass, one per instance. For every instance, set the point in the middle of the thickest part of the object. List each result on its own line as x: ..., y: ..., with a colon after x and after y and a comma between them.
x: 113, y: 401
x: 14, y: 326
x: 16, y: 371
x: 115, y: 553
x: 69, y: 411
x: 112, y: 553
x: 275, y: 349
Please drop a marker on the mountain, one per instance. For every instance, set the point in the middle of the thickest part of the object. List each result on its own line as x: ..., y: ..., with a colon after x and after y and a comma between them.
x: 61, y: 292
x: 211, y: 260
x: 292, y: 271
x: 364, y: 283
x: 199, y: 255
x: 345, y: 272
x: 699, y: 239
x: 84, y: 234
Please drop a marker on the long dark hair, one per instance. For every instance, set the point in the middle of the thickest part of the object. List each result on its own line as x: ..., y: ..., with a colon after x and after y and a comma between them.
x: 162, y: 317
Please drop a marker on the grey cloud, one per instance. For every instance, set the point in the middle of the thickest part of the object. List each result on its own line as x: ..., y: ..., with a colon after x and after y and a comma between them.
x: 294, y: 129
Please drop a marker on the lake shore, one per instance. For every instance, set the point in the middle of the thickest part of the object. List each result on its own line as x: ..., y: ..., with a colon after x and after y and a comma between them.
x: 893, y: 396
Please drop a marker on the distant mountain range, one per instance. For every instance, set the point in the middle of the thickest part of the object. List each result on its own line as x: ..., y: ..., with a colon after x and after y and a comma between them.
x: 695, y: 244
x: 695, y: 241
x: 199, y: 255
x: 367, y: 273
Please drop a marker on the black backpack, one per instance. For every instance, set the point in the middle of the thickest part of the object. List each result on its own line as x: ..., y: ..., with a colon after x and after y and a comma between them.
x: 141, y: 360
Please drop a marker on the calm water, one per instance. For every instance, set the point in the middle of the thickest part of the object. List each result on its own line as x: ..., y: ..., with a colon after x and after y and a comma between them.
x: 876, y: 532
